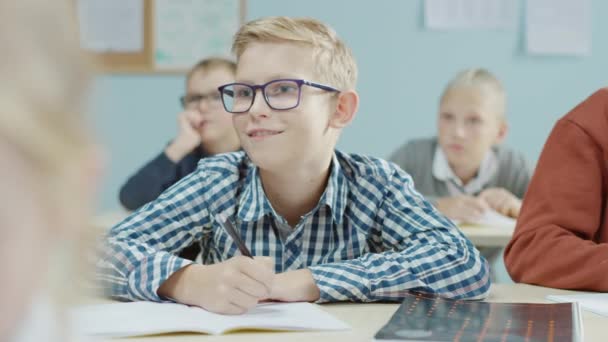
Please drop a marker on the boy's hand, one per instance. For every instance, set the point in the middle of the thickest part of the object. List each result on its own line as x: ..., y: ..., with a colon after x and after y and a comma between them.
x: 462, y: 208
x: 188, y: 137
x: 294, y: 286
x: 502, y: 201
x: 230, y: 287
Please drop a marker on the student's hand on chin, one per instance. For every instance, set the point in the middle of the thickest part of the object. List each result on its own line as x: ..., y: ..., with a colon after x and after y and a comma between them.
x: 230, y: 287
x: 188, y: 137
x: 189, y: 125
x: 462, y: 208
x: 502, y: 201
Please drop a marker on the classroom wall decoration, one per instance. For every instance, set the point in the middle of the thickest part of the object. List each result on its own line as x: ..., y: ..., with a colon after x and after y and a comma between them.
x: 147, y: 36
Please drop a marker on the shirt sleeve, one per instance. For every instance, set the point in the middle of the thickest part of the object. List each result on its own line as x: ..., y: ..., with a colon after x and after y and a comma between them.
x: 553, y: 244
x: 423, y: 251
x: 152, y: 179
x: 139, y: 253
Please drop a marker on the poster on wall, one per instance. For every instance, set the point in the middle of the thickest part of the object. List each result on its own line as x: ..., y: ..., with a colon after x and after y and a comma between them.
x: 188, y: 30
x: 125, y: 34
x: 558, y: 27
x: 470, y: 14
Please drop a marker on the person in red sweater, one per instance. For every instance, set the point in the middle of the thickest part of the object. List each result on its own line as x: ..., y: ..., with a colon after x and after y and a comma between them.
x: 562, y: 232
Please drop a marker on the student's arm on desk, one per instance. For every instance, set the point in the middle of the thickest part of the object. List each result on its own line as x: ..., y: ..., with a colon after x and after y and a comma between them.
x: 423, y: 251
x: 560, y: 216
x: 139, y: 253
x: 138, y: 262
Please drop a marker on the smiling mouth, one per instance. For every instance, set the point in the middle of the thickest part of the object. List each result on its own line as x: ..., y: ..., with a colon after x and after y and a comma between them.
x: 259, y: 134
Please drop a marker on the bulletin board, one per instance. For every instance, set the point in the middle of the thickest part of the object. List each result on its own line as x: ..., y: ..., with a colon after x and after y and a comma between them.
x: 165, y: 33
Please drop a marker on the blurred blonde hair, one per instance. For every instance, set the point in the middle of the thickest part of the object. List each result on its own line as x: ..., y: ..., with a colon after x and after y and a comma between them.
x: 43, y: 88
x: 209, y: 64
x: 484, y: 81
x: 334, y: 61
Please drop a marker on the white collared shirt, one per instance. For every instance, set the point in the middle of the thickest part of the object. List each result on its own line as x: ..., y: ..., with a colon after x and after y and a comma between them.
x: 443, y: 172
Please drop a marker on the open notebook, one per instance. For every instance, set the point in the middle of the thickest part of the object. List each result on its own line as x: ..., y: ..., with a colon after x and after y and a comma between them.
x: 147, y: 318
x: 594, y: 302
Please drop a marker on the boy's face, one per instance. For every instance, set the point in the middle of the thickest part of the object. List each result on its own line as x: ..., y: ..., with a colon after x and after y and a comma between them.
x: 469, y: 125
x: 216, y: 122
x: 282, y: 139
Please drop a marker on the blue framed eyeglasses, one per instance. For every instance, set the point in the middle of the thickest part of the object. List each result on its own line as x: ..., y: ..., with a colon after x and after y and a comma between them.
x: 281, y: 94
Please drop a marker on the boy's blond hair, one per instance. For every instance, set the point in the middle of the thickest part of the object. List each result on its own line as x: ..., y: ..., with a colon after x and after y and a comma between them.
x: 334, y: 61
x: 483, y: 80
x: 211, y: 63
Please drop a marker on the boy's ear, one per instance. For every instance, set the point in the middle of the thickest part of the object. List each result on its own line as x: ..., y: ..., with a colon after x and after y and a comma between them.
x: 502, y: 132
x: 346, y: 107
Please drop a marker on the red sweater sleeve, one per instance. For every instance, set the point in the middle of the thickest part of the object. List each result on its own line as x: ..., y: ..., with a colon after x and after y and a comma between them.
x: 555, y: 242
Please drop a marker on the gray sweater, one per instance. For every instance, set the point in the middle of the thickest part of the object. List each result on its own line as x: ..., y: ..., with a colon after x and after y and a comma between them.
x: 416, y: 158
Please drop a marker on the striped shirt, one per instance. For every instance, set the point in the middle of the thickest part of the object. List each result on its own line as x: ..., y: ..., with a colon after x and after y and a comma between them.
x: 370, y: 237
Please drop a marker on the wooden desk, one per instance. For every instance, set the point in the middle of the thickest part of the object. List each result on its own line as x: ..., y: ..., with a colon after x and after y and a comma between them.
x: 481, y: 236
x: 367, y: 319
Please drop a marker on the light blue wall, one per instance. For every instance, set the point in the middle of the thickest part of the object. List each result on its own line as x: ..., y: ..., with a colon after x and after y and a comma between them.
x: 402, y: 69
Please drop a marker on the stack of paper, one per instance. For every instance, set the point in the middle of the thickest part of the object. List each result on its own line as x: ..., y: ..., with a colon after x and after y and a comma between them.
x: 594, y: 302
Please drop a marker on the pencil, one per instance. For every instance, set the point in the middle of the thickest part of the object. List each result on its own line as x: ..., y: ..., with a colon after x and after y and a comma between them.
x: 229, y: 227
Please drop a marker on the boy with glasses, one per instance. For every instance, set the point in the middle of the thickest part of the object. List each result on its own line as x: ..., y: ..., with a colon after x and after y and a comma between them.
x: 323, y: 225
x: 204, y: 129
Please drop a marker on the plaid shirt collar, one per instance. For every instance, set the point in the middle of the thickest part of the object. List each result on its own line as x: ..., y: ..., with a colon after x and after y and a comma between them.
x: 253, y: 203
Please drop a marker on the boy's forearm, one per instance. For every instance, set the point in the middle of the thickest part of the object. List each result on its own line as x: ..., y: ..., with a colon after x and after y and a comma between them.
x: 386, y: 276
x: 175, y: 287
x: 126, y: 277
x: 295, y: 286
x: 291, y: 286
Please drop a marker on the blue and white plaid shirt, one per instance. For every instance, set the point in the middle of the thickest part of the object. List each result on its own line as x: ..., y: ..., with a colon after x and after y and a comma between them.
x: 370, y: 238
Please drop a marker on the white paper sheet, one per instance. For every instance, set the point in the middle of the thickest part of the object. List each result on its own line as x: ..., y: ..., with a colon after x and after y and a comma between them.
x: 189, y: 30
x: 558, y: 27
x: 111, y: 25
x: 470, y: 14
x: 594, y: 302
x: 146, y: 318
x: 492, y: 218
